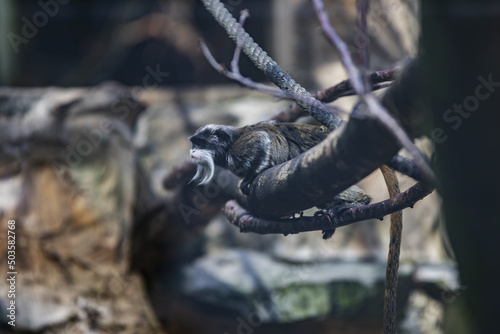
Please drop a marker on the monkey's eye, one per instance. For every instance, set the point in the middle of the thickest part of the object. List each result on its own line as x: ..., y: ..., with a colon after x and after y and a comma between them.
x: 203, y: 144
x: 222, y: 135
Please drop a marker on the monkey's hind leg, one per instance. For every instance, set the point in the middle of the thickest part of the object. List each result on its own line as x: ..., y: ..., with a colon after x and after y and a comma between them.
x: 333, y: 215
x: 347, y: 199
x: 245, y: 184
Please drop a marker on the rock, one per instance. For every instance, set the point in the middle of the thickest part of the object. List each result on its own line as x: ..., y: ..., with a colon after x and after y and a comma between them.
x: 68, y: 181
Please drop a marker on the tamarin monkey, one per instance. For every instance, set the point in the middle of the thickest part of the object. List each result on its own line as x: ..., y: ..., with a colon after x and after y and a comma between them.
x: 249, y: 150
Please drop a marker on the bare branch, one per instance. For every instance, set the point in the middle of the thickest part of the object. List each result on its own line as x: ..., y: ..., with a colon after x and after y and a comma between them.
x: 405, y: 166
x: 372, y: 103
x: 270, y: 68
x: 345, y: 88
x: 378, y: 80
x: 236, y: 76
x: 237, y: 51
x: 249, y: 223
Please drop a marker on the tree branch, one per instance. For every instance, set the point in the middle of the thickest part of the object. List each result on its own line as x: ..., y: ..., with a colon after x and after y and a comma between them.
x: 378, y: 80
x: 227, y: 188
x: 372, y: 103
x: 346, y: 156
x: 342, y: 159
x: 236, y: 76
x: 271, y: 69
x: 249, y: 223
x: 283, y: 80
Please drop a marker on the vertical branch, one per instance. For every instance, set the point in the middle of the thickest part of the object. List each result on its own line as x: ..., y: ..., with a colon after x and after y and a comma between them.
x: 363, y: 6
x: 391, y: 274
x: 338, y: 43
x: 244, y: 14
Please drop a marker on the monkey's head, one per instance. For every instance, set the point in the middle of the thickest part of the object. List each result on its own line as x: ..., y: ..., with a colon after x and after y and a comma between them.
x: 210, y: 147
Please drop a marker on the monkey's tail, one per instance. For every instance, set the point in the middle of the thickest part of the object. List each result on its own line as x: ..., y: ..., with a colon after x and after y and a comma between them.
x: 391, y: 275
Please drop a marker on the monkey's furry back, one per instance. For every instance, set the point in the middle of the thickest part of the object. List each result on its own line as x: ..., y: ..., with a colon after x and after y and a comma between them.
x: 266, y: 144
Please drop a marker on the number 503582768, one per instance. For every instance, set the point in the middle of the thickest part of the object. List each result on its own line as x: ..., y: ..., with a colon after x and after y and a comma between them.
x: 11, y: 244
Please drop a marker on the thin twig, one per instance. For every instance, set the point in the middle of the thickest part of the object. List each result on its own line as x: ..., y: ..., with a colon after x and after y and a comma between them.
x: 238, y: 77
x: 378, y: 80
x: 247, y: 82
x: 244, y: 14
x: 373, y: 87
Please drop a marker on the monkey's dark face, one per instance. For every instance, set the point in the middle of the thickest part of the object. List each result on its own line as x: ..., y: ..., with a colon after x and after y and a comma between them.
x: 210, y: 146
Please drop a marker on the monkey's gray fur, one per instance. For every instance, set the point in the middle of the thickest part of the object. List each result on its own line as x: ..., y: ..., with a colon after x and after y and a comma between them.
x: 249, y: 150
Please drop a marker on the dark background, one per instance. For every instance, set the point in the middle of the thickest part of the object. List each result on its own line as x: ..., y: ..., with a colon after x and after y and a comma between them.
x: 88, y: 42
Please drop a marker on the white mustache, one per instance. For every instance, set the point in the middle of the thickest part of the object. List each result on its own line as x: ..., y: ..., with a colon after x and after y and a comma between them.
x: 205, y: 166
